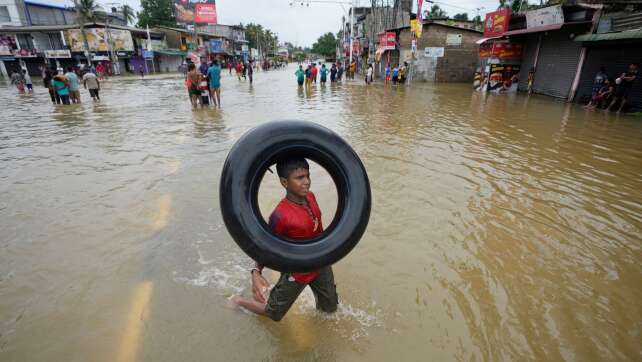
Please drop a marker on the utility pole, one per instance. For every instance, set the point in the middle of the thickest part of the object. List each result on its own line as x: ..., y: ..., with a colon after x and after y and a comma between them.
x: 80, y: 19
x: 351, y: 28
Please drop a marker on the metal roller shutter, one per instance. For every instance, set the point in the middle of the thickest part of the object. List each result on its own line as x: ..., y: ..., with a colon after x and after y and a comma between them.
x: 528, y: 59
x: 616, y: 59
x: 557, y: 63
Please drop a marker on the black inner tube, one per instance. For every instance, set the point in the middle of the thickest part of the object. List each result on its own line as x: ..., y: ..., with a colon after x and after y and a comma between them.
x: 244, y: 170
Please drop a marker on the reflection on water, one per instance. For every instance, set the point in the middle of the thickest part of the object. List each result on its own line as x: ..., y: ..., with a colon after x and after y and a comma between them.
x: 503, y: 227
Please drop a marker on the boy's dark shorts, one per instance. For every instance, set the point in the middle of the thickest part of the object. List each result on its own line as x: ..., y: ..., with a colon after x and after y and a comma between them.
x: 287, y: 290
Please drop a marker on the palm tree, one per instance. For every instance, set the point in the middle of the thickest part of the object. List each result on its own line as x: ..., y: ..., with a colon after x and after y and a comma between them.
x: 85, y: 12
x: 128, y: 14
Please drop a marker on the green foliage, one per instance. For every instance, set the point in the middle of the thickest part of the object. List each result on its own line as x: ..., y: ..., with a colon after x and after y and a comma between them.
x: 260, y: 38
x: 461, y: 16
x: 326, y: 45
x: 514, y: 5
x: 128, y: 14
x: 436, y: 12
x: 156, y: 12
x: 86, y: 10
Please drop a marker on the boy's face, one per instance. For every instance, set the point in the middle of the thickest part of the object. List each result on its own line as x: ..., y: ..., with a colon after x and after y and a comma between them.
x: 298, y: 182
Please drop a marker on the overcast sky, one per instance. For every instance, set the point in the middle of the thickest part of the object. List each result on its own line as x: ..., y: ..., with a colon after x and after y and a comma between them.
x: 301, y: 25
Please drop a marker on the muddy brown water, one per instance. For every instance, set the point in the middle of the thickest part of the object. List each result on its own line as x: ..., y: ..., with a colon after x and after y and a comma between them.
x: 502, y: 228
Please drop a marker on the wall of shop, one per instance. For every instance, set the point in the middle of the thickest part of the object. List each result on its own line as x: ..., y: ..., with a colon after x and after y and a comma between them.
x: 459, y: 61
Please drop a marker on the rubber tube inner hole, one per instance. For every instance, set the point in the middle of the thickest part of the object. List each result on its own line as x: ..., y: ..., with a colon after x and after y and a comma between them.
x: 271, y: 192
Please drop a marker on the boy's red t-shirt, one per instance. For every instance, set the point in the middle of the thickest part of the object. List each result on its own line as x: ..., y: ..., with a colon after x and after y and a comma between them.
x: 293, y: 221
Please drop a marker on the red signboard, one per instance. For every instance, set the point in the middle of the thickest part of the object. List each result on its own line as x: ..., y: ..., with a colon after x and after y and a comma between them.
x: 387, y: 40
x: 501, y: 50
x: 496, y: 22
x: 205, y: 13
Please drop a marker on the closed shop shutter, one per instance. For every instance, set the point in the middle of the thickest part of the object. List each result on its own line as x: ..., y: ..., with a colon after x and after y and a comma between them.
x: 616, y: 59
x: 528, y: 59
x: 557, y: 63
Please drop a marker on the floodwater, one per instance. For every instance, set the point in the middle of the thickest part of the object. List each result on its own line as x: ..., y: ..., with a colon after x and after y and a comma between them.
x: 502, y: 228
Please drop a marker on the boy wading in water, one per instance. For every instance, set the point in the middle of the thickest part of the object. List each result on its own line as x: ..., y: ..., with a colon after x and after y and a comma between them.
x: 296, y: 217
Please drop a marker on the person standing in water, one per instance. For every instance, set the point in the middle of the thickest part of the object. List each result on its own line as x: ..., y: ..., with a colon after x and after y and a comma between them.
x: 90, y: 82
x: 297, y: 217
x: 193, y: 80
x: 74, y: 88
x: 324, y: 74
x: 250, y: 71
x: 214, y: 80
x: 300, y: 75
x: 61, y: 84
x: 333, y: 73
x: 18, y: 80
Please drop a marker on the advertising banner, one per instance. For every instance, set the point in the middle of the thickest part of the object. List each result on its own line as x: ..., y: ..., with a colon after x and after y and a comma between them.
x: 216, y: 46
x: 503, y: 78
x: 195, y: 11
x: 546, y: 16
x: 434, y: 52
x: 416, y: 28
x: 501, y: 50
x: 120, y: 39
x: 387, y: 40
x: 453, y: 39
x: 496, y: 22
x: 60, y: 53
x: 7, y: 44
x: 25, y: 53
x: 205, y: 13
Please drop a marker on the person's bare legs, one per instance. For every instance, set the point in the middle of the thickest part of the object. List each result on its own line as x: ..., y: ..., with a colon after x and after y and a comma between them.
x: 217, y: 92
x: 213, y: 96
x: 621, y: 105
x: 194, y: 99
x: 251, y: 305
x: 607, y: 109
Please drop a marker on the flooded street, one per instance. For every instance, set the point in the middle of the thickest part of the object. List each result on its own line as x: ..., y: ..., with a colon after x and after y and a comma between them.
x: 502, y: 227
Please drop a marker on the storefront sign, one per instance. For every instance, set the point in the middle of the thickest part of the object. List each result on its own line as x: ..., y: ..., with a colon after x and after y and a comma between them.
x: 216, y: 46
x: 434, y: 52
x: 453, y: 39
x: 99, y: 57
x: 546, y: 16
x: 413, y: 46
x: 120, y: 39
x: 7, y: 44
x: 496, y: 22
x: 58, y: 53
x: 25, y: 53
x: 501, y: 50
x: 148, y: 54
x: 387, y: 40
x: 356, y: 46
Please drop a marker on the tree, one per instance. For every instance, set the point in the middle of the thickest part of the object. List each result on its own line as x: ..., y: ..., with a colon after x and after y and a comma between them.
x: 85, y: 12
x: 326, y: 45
x: 156, y: 12
x: 477, y: 20
x: 514, y: 5
x: 461, y: 16
x: 436, y: 12
x: 260, y: 38
x: 128, y: 14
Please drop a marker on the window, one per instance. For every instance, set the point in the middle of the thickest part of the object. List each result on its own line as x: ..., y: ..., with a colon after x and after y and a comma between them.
x: 4, y: 15
x: 55, y: 41
x: 25, y: 41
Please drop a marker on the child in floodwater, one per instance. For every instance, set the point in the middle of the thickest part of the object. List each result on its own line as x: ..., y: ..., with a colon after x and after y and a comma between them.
x: 296, y: 217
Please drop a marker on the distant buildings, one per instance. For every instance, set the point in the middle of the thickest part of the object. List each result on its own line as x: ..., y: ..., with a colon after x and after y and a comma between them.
x: 37, y: 33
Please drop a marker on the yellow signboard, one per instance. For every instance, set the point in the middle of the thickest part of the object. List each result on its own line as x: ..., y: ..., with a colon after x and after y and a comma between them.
x: 416, y: 28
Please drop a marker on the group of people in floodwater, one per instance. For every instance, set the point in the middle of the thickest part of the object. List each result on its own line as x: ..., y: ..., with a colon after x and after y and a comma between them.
x: 307, y: 76
x: 606, y: 92
x: 63, y: 87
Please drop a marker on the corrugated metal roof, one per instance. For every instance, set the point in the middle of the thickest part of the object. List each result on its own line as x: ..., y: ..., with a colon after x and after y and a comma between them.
x: 620, y: 35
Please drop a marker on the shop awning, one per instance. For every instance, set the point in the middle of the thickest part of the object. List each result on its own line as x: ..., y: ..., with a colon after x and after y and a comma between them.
x: 170, y: 52
x: 483, y: 40
x: 620, y: 35
x: 537, y: 29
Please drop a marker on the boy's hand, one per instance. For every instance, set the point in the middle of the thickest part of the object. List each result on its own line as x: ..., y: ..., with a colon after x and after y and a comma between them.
x: 259, y: 287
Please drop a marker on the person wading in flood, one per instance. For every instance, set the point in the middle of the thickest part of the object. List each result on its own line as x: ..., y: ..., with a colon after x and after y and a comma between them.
x: 214, y: 80
x: 192, y: 82
x: 300, y: 75
x: 296, y: 217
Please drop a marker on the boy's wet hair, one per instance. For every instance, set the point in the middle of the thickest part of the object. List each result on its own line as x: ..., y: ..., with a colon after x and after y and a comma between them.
x: 285, y: 166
